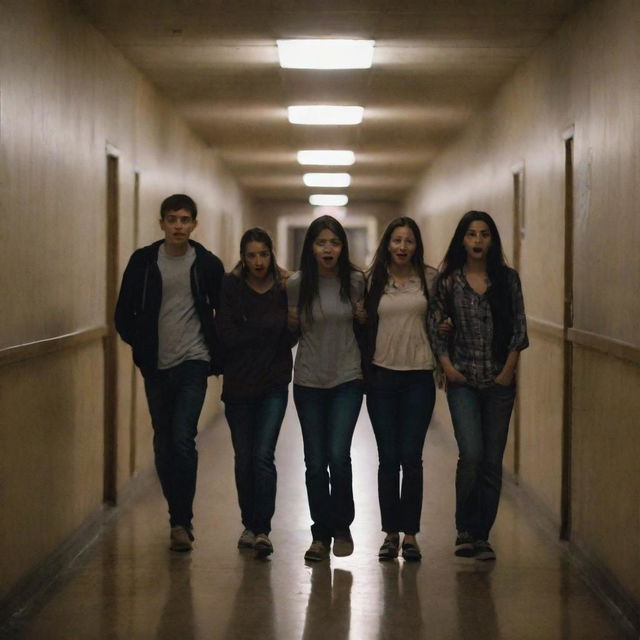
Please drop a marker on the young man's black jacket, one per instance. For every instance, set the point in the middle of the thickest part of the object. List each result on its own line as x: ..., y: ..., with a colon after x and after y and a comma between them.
x: 138, y: 306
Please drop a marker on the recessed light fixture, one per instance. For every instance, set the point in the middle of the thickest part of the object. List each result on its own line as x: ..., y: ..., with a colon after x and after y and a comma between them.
x: 327, y: 179
x: 326, y: 156
x: 328, y: 200
x: 326, y: 54
x: 325, y: 114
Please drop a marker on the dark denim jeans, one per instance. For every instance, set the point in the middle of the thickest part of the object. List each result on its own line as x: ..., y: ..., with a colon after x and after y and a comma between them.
x: 328, y: 418
x: 175, y: 398
x: 255, y: 425
x: 481, y: 424
x: 400, y: 404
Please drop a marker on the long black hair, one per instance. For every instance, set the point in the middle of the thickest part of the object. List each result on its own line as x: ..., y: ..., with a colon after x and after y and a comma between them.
x: 378, y: 272
x: 309, y: 266
x: 456, y: 255
x: 498, y: 293
x: 256, y: 234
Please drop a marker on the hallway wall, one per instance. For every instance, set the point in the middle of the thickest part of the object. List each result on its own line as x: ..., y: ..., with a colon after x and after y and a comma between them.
x: 584, y: 76
x: 64, y: 94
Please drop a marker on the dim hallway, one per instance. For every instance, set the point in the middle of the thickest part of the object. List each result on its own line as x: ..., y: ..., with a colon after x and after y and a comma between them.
x: 128, y: 585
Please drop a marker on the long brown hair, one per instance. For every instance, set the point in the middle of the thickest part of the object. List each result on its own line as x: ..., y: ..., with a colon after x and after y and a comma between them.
x: 257, y: 234
x: 378, y: 272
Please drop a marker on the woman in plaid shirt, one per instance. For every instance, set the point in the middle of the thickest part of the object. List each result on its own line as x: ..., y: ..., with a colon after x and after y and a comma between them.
x: 481, y: 298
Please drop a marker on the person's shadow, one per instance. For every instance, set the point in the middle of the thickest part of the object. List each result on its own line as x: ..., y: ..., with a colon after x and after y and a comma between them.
x: 476, y: 608
x: 329, y: 608
x: 252, y: 613
x: 401, y: 614
x: 177, y: 618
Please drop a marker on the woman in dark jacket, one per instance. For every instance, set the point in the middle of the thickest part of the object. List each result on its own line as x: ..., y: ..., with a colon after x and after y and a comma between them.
x: 252, y: 325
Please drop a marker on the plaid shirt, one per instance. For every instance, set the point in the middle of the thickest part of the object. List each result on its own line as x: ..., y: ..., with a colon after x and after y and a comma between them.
x: 470, y: 345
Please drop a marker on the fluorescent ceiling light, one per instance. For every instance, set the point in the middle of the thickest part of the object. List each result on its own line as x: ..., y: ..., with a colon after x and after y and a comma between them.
x: 325, y: 114
x: 325, y: 54
x: 326, y: 156
x: 327, y: 179
x: 328, y: 200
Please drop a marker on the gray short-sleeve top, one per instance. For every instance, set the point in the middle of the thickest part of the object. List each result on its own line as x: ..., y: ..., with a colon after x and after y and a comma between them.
x: 328, y: 354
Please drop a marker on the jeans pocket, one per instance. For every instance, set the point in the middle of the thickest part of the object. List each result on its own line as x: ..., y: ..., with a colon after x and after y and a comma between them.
x: 506, y: 390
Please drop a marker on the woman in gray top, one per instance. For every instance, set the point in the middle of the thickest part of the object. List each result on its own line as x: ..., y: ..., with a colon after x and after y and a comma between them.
x: 324, y: 297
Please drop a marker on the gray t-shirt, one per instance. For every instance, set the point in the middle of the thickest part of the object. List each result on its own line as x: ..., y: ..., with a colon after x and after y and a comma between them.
x: 179, y: 330
x: 328, y: 354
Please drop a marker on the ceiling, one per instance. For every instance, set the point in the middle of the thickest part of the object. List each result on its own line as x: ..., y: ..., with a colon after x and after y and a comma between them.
x: 435, y: 63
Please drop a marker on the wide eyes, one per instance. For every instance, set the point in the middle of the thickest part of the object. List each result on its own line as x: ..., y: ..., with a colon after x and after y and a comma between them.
x: 180, y: 219
x: 483, y: 234
x: 401, y: 240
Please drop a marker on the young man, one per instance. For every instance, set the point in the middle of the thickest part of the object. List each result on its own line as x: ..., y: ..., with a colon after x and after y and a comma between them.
x: 165, y: 311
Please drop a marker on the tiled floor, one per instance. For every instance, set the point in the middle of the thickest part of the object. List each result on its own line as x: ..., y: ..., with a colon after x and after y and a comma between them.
x: 129, y: 586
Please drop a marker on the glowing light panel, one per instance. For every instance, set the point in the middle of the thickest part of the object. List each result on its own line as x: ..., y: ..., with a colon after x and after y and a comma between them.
x: 326, y: 156
x: 328, y: 200
x: 325, y: 114
x: 326, y: 54
x: 327, y: 179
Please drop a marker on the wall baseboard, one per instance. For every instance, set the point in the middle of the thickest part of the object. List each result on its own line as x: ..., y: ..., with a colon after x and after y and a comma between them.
x: 616, y: 598
x: 32, y: 590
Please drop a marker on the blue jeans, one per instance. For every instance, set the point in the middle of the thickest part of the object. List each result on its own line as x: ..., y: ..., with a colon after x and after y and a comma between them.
x: 328, y: 418
x: 255, y: 425
x: 175, y: 397
x: 481, y: 424
x: 400, y: 405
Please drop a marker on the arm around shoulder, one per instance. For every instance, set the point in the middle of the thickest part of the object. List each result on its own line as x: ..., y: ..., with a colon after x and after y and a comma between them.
x: 437, y: 314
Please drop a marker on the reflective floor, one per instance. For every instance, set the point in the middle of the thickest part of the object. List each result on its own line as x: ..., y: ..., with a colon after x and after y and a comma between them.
x: 127, y: 585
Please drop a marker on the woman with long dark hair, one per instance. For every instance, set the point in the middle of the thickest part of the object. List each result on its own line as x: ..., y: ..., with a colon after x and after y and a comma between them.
x: 482, y: 299
x: 324, y: 297
x: 400, y: 385
x: 252, y: 323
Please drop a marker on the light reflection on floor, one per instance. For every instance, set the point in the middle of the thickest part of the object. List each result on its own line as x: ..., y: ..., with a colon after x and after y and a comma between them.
x: 129, y: 586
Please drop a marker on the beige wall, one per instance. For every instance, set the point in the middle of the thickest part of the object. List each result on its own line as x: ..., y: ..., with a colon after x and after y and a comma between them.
x: 584, y: 76
x: 65, y: 92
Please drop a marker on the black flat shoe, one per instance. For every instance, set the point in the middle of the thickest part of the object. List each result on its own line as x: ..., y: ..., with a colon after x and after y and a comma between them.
x: 411, y: 552
x: 389, y: 548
